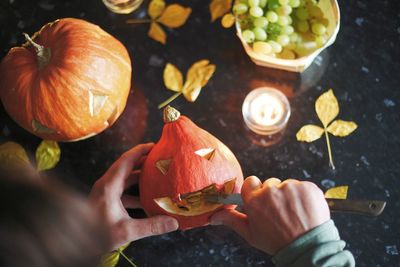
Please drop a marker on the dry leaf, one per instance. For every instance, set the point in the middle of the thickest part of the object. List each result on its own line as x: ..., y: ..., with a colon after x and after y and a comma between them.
x: 13, y: 156
x: 219, y: 7
x: 339, y: 192
x: 174, y: 16
x: 309, y: 133
x: 196, y: 78
x: 173, y: 79
x: 156, y: 8
x: 342, y: 128
x: 47, y: 155
x: 157, y: 33
x: 228, y: 20
x: 111, y: 259
x: 327, y: 107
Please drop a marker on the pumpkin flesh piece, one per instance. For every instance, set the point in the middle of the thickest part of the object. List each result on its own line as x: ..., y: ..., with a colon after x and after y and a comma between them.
x: 193, y: 203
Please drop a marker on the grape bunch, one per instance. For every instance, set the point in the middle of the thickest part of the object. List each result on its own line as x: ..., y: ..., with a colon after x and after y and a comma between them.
x: 285, y: 29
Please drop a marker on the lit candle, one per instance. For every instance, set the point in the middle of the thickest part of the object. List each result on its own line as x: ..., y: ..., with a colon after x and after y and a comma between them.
x: 266, y: 110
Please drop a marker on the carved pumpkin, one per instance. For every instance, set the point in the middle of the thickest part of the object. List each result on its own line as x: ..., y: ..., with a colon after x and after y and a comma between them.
x: 69, y: 82
x: 187, y: 162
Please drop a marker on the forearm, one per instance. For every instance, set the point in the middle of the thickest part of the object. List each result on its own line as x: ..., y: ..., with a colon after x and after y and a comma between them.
x: 320, y: 247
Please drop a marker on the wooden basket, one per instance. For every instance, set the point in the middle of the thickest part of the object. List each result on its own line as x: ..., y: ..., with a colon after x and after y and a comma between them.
x: 331, y: 12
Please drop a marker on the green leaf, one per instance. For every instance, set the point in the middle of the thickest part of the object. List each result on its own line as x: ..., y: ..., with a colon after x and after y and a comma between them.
x: 47, y: 155
x: 111, y: 259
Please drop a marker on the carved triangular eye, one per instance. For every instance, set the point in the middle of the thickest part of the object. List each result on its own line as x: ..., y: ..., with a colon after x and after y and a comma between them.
x: 163, y: 165
x: 207, y: 153
x: 96, y: 103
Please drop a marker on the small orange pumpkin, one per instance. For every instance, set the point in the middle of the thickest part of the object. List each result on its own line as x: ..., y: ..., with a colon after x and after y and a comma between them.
x: 69, y: 82
x: 187, y: 162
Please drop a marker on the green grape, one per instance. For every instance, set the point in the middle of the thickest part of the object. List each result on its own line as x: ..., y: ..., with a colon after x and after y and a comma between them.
x: 272, y: 16
x: 294, y: 37
x: 287, y: 30
x: 283, y: 20
x: 262, y: 3
x: 320, y: 40
x: 276, y: 48
x: 262, y: 47
x: 294, y: 3
x: 240, y: 9
x: 260, y: 34
x: 305, y: 48
x: 274, y: 30
x: 261, y: 22
x: 301, y: 13
x: 284, y: 10
x: 287, y: 54
x: 253, y: 3
x: 283, y: 40
x: 318, y: 29
x: 273, y: 4
x: 283, y: 2
x: 290, y: 20
x: 315, y: 11
x: 291, y: 46
x: 248, y: 36
x: 302, y: 26
x: 256, y: 11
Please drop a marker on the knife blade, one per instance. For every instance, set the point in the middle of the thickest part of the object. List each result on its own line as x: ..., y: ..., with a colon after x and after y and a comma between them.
x: 362, y: 207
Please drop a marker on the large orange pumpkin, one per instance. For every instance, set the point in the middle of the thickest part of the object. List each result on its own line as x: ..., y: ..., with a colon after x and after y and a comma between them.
x: 187, y: 162
x: 69, y: 82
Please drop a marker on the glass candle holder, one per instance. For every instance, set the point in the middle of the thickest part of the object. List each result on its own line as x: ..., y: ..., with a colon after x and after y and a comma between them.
x: 266, y: 111
x: 122, y: 6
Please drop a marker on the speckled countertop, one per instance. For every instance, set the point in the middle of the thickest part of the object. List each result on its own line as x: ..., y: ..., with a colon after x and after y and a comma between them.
x: 362, y: 67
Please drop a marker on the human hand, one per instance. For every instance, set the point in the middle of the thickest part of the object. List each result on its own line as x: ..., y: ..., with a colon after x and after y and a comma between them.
x: 107, y: 197
x: 276, y: 213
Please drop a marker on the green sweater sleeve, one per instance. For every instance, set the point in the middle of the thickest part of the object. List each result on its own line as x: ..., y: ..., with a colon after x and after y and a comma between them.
x: 320, y: 247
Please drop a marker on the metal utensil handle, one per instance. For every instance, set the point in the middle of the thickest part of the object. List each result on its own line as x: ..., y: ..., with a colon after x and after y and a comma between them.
x: 363, y: 207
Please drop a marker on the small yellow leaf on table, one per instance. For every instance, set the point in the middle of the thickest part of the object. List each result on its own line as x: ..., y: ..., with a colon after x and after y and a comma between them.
x: 339, y: 192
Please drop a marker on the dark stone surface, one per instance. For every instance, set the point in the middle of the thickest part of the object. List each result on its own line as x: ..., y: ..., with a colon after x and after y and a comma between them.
x: 362, y: 67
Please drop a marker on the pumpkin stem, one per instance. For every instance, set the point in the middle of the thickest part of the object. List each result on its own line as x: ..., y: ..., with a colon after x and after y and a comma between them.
x: 171, y: 114
x: 43, y: 53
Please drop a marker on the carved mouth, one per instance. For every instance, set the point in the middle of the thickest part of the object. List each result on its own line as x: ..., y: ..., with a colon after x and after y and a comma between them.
x: 194, y: 203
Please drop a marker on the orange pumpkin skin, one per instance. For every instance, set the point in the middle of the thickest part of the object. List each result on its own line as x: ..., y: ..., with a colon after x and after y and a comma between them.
x: 76, y: 92
x: 187, y: 172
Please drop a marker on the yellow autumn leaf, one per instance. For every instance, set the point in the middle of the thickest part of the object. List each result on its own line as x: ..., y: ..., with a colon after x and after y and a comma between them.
x: 309, y: 133
x: 228, y: 20
x: 13, y: 156
x: 173, y: 79
x: 111, y: 259
x: 327, y: 107
x: 197, y: 77
x: 47, y: 155
x: 341, y: 128
x: 174, y: 15
x: 156, y: 8
x: 219, y: 7
x: 339, y: 192
x: 157, y: 33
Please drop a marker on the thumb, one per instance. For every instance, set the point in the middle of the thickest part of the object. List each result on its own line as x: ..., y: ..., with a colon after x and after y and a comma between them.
x: 235, y: 220
x: 139, y: 228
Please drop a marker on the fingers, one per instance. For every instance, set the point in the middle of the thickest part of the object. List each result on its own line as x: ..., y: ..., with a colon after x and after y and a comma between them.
x: 131, y: 202
x: 271, y: 182
x: 139, y: 228
x: 250, y: 184
x: 233, y: 219
x: 120, y: 170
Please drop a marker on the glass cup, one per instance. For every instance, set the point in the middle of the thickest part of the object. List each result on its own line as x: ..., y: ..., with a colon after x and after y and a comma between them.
x: 122, y: 6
